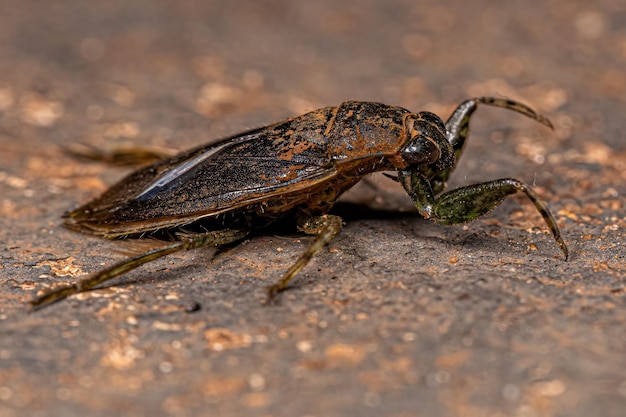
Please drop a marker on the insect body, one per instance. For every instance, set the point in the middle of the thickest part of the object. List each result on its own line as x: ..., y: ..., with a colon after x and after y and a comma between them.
x: 217, y: 194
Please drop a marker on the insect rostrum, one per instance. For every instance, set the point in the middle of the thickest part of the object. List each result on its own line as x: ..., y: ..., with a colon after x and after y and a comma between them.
x: 297, y: 167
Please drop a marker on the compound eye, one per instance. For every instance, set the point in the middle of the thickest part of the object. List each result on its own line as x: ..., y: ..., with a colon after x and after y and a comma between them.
x: 422, y: 150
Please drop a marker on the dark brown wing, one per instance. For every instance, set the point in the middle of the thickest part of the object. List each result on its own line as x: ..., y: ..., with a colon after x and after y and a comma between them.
x: 239, y: 171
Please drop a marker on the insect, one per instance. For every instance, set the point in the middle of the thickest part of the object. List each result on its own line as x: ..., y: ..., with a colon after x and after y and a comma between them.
x: 217, y: 194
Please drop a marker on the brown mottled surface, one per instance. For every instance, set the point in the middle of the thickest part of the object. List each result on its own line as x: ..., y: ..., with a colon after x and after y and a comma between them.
x: 400, y: 317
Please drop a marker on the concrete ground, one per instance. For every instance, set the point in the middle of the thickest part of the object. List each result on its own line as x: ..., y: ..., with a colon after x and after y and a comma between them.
x: 400, y: 316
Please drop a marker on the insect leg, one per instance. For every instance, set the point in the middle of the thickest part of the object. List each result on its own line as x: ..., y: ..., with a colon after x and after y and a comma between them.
x: 122, y: 156
x: 457, y: 126
x: 188, y: 241
x: 468, y: 203
x: 326, y: 227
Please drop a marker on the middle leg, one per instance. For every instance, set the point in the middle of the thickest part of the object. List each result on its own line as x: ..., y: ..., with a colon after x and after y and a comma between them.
x: 325, y: 227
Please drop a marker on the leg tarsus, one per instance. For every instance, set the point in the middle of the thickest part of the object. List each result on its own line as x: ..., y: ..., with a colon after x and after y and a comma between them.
x: 517, y: 107
x: 325, y: 227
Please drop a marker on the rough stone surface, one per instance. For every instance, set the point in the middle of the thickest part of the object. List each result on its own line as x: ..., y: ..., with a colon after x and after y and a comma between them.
x: 399, y: 317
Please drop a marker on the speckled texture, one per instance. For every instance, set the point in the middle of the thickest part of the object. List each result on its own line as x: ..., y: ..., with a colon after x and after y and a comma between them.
x: 399, y: 317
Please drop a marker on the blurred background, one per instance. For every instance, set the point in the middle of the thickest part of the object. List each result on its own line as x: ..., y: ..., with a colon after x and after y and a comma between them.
x: 400, y: 317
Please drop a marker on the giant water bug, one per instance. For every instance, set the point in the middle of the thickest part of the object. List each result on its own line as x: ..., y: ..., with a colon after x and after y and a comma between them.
x: 217, y: 194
